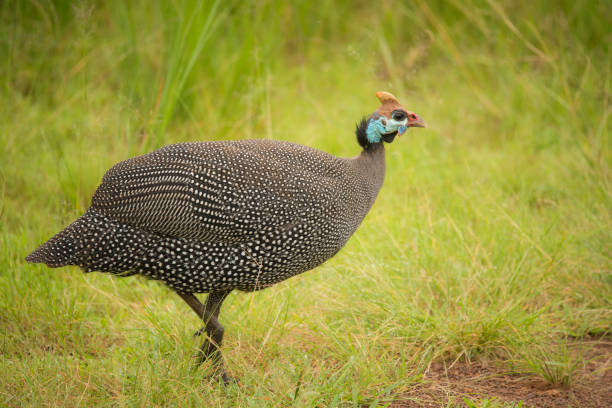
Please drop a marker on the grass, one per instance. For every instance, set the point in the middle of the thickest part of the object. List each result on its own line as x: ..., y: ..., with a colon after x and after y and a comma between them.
x: 494, y: 224
x: 557, y: 365
x: 489, y: 404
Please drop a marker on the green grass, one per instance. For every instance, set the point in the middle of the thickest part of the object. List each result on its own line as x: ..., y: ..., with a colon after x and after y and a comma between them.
x: 489, y: 404
x: 491, y: 238
x: 557, y: 364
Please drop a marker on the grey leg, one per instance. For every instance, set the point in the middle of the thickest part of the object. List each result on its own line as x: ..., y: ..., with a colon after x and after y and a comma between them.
x: 209, y: 312
x: 193, y: 303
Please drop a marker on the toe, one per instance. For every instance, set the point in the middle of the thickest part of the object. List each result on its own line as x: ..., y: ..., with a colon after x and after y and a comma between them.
x: 229, y: 380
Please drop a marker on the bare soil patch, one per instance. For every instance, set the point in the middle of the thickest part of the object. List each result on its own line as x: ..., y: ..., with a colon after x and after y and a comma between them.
x: 592, y: 387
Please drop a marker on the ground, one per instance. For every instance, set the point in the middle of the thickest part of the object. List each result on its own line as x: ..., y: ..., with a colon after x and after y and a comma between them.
x: 455, y: 382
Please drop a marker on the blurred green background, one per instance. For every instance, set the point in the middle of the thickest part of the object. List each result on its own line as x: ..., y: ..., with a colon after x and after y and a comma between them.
x: 491, y: 239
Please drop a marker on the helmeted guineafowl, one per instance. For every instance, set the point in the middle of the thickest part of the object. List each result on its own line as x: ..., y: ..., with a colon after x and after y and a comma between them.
x: 211, y: 217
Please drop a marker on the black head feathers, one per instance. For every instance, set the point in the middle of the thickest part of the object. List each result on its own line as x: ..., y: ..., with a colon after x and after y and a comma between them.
x: 360, y: 131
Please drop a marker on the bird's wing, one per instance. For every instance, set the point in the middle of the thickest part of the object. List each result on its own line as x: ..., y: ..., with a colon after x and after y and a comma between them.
x: 226, y: 192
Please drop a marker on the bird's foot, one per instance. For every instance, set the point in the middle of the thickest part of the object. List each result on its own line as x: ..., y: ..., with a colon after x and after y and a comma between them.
x: 215, y: 359
x: 219, y: 372
x: 228, y: 379
x: 200, y: 332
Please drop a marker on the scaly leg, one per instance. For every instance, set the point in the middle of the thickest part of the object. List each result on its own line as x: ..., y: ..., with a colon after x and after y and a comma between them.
x: 209, y: 313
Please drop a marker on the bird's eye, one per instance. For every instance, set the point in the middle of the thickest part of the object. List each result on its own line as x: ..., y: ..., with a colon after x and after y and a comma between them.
x: 398, y: 115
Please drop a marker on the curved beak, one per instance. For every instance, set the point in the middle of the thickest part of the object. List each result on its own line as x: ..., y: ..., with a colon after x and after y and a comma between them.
x: 415, y: 120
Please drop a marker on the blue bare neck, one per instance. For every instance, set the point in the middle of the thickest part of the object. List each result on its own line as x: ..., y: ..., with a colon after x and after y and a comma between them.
x: 377, y: 127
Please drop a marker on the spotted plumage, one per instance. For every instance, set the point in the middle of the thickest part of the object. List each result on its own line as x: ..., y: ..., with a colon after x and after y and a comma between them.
x: 219, y: 215
x: 211, y: 217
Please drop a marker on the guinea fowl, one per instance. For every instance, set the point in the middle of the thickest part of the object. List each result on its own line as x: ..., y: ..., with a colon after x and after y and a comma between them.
x: 211, y: 217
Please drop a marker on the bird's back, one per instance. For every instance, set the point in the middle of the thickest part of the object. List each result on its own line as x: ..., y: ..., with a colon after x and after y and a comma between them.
x: 224, y: 192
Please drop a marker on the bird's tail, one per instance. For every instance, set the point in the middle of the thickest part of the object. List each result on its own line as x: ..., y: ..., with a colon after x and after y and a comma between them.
x: 66, y: 246
x: 96, y: 243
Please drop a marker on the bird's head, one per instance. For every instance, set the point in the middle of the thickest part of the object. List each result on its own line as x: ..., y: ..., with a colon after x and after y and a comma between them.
x: 390, y: 120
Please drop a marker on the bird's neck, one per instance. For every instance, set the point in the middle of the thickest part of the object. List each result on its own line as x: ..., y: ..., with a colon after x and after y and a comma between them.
x: 370, y: 166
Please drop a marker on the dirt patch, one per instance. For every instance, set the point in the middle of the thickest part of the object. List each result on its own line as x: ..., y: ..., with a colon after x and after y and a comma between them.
x: 478, y: 381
